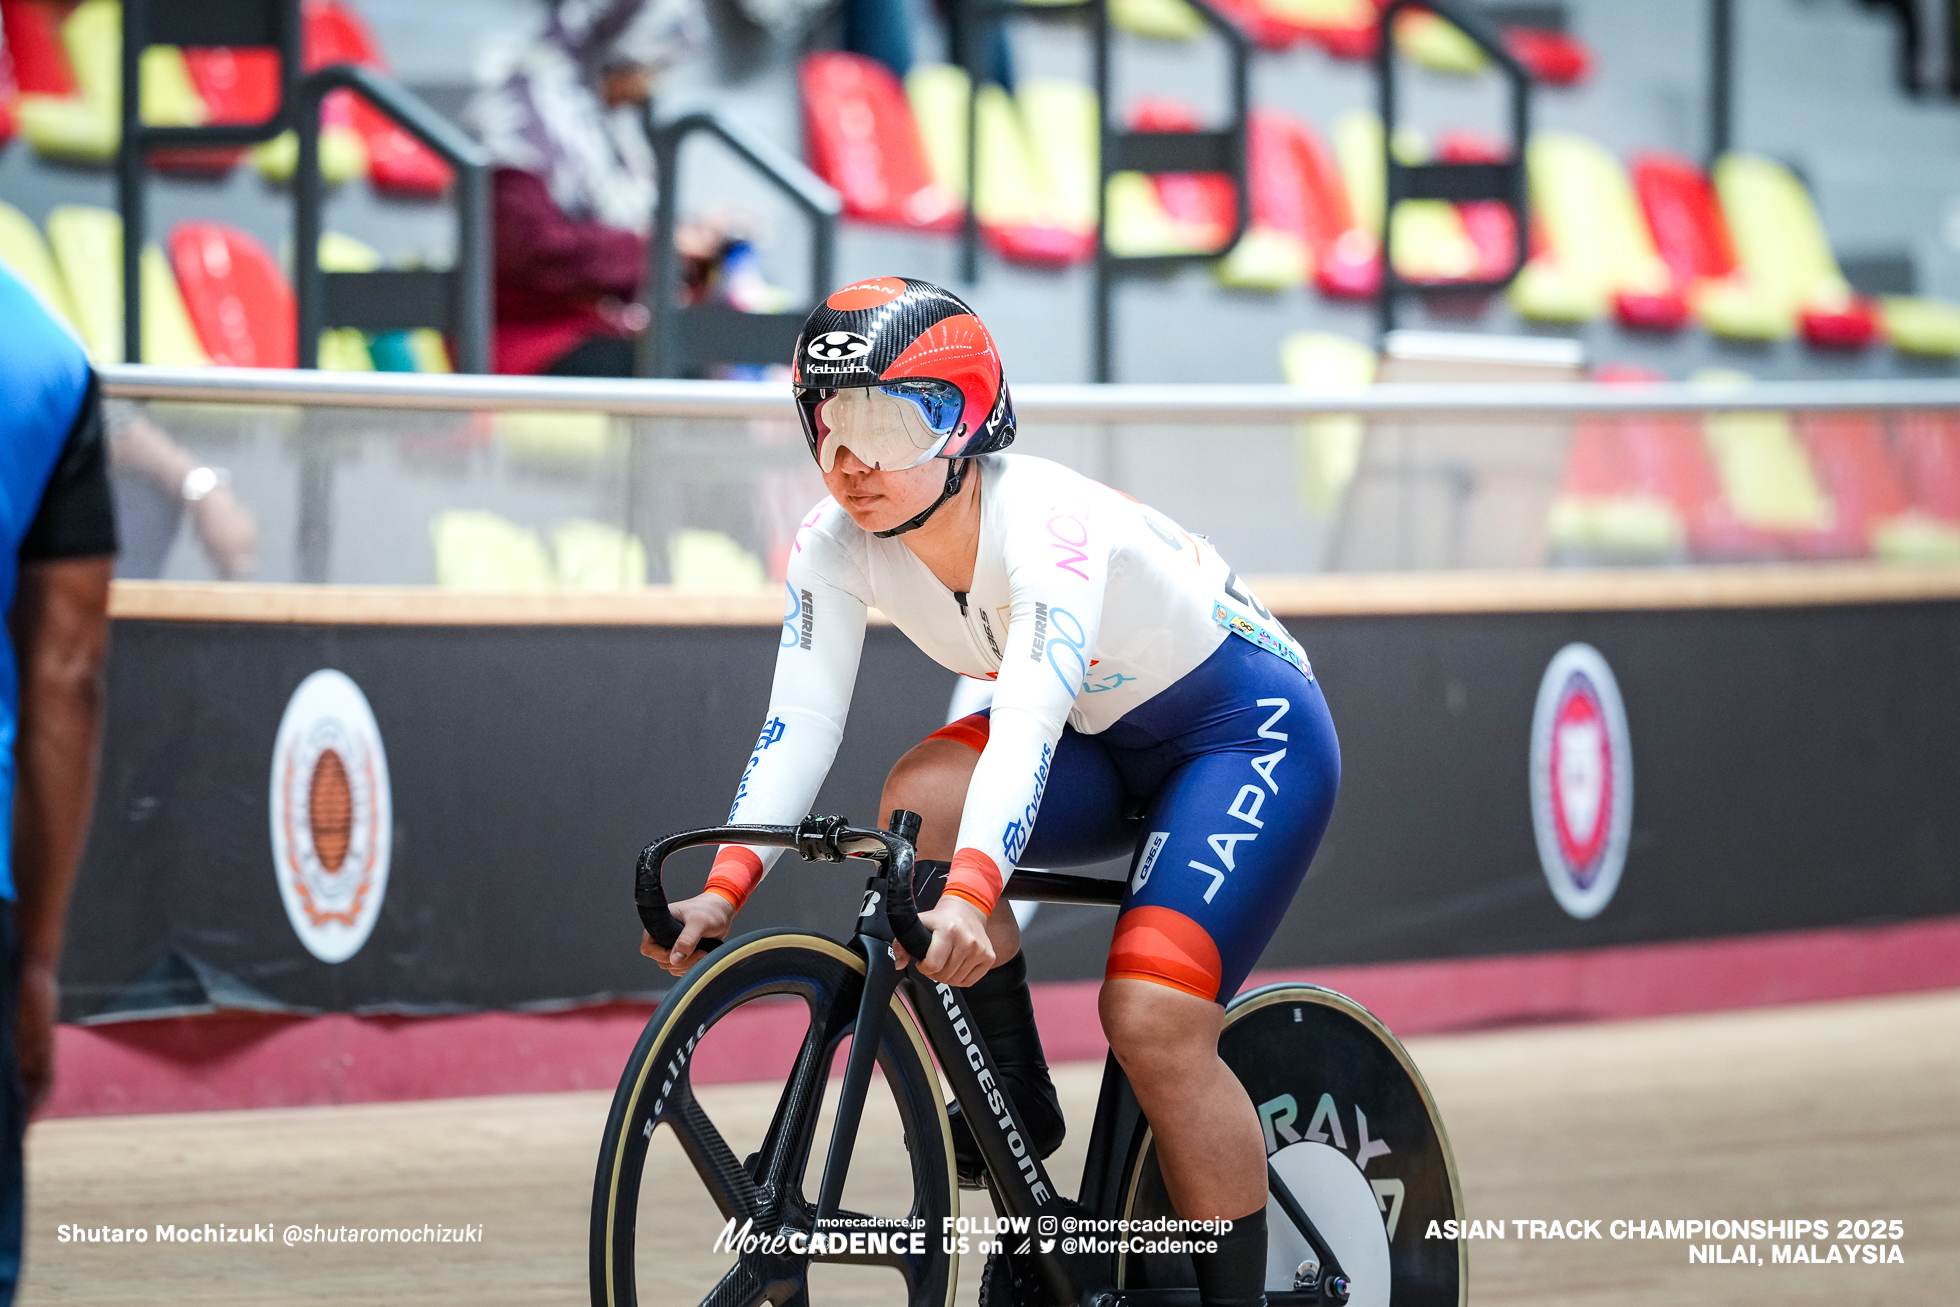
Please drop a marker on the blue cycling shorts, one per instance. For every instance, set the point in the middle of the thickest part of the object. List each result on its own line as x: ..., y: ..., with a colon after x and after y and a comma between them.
x: 1234, y: 770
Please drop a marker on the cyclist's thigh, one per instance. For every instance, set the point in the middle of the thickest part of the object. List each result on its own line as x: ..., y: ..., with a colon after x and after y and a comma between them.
x: 1226, y: 842
x: 1080, y: 817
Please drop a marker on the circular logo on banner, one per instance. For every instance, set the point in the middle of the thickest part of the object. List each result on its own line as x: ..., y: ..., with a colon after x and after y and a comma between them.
x: 1581, y: 780
x: 332, y: 816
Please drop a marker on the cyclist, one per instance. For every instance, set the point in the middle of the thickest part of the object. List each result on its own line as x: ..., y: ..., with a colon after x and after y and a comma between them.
x: 1145, y: 705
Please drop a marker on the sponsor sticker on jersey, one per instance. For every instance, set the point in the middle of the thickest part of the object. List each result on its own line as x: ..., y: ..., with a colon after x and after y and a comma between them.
x: 1246, y: 628
x: 1581, y: 780
x: 332, y: 815
x: 1151, y: 848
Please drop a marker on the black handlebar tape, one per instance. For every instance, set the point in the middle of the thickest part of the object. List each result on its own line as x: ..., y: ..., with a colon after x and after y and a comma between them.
x: 650, y: 898
x: 816, y: 838
x: 903, y: 912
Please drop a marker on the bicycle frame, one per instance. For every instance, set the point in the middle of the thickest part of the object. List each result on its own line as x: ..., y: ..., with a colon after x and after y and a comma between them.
x: 1019, y: 1182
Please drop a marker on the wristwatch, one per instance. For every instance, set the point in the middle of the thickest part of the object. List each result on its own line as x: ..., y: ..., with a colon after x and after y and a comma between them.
x: 201, y: 481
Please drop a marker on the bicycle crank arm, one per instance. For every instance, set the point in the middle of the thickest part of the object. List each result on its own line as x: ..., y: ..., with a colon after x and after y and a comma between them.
x: 1331, y: 1282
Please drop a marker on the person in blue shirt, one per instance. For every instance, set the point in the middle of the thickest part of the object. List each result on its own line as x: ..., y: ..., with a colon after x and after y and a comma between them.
x: 57, y: 546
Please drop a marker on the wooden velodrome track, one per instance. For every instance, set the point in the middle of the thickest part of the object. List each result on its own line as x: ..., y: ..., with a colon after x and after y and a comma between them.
x: 1841, y: 1110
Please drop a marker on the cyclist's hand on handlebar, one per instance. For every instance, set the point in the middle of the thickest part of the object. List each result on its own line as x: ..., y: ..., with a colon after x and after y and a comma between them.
x: 704, y: 915
x: 961, y: 953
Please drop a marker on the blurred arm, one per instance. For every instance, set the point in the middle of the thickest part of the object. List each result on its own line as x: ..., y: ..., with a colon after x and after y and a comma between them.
x: 60, y: 630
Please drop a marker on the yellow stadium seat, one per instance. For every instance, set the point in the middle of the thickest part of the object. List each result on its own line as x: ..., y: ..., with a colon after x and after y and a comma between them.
x: 1916, y: 325
x: 709, y: 560
x: 1599, y: 242
x: 1065, y: 146
x: 1436, y: 43
x: 1329, y: 448
x: 1265, y: 259
x: 1764, y: 470
x: 24, y: 252
x: 593, y: 556
x: 1430, y: 241
x: 87, y: 245
x: 478, y: 550
x: 1165, y: 20
x: 343, y: 155
x: 87, y: 126
x: 1778, y: 239
x: 1012, y: 189
x: 1138, y: 224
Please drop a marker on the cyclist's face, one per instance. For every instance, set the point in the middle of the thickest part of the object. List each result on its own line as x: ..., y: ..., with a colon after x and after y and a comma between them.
x: 879, y: 501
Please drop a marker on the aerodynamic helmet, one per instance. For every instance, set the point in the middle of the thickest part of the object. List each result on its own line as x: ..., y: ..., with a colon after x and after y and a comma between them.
x: 899, y: 371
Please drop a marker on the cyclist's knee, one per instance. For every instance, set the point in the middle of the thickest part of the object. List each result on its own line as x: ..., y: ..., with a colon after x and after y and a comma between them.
x: 1156, y: 1031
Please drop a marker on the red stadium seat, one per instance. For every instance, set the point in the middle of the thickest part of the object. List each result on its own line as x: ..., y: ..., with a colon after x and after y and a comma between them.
x: 1349, y: 35
x: 1261, y: 25
x: 239, y: 299
x: 237, y: 86
x: 33, y: 33
x: 397, y: 162
x: 1296, y: 189
x: 1204, y: 200
x: 1856, y: 468
x: 1684, y: 216
x: 1853, y: 326
x: 1555, y: 58
x: 862, y: 140
x: 1929, y: 450
x: 1489, y: 224
x: 7, y: 94
x: 1274, y: 174
x: 1665, y: 458
x: 1347, y: 258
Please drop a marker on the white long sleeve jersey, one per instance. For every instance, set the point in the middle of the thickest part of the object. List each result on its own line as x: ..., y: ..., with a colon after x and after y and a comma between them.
x: 1084, y: 605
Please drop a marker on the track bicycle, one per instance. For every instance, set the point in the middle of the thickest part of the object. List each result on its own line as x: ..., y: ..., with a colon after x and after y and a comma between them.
x: 1358, y: 1163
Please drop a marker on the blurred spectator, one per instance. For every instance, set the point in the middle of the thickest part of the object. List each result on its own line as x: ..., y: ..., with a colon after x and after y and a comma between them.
x: 882, y: 30
x: 573, y: 186
x: 157, y: 481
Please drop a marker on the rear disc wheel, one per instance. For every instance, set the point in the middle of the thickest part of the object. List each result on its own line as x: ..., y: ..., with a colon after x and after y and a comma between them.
x: 1352, y: 1131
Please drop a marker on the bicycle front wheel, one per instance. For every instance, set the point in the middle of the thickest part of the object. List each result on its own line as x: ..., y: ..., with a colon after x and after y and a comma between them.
x: 1353, y: 1133
x: 665, y: 1157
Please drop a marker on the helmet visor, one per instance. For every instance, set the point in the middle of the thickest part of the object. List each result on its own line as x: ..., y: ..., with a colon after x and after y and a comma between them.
x: 897, y: 425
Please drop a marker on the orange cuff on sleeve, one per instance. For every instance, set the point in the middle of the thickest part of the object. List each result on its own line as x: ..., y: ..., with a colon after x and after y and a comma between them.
x: 736, y: 873
x: 974, y: 878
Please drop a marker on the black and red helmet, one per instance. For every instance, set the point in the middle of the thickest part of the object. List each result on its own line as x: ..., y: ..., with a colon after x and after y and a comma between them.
x: 911, y: 341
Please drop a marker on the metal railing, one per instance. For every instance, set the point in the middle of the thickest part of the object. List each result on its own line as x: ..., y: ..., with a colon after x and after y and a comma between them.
x: 454, y: 300
x: 684, y: 337
x: 1222, y: 150
x: 267, y: 24
x: 1072, y: 403
x: 1503, y: 182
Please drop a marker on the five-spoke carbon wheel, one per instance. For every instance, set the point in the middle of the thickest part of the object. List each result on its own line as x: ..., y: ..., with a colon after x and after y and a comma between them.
x: 769, y: 1192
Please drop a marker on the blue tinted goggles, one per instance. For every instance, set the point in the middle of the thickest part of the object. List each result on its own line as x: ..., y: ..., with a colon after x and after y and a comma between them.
x: 896, y: 425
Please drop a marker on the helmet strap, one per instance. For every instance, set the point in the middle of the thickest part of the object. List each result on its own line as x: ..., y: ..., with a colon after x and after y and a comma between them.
x: 955, y: 477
